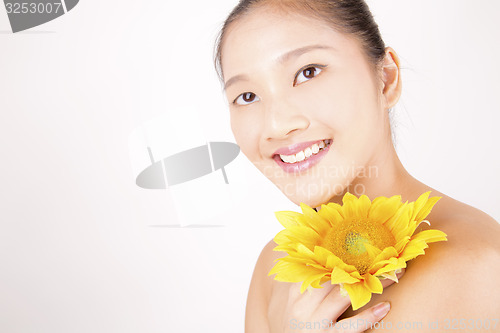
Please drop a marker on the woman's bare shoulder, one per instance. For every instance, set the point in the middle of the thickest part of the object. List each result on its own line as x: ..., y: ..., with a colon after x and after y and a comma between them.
x: 466, y: 224
x: 455, y: 281
x: 260, y: 290
x: 264, y: 264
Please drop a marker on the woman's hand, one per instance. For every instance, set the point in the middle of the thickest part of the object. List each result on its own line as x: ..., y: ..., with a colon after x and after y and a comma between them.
x: 317, y: 310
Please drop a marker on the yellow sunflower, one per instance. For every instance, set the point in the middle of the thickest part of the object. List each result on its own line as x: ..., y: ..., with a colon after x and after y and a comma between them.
x: 354, y: 244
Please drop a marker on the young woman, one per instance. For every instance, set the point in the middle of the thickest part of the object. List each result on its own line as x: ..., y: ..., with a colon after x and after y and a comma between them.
x: 309, y: 86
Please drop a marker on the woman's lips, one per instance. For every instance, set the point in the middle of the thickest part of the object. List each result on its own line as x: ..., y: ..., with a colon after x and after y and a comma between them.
x: 308, y: 162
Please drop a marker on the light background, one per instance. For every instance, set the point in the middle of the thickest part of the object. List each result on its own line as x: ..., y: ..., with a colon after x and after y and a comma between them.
x: 82, y: 248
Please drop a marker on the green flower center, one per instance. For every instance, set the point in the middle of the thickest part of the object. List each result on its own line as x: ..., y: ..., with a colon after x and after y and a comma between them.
x: 347, y: 241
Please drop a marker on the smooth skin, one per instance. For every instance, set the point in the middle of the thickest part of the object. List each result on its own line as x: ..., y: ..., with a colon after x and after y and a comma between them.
x: 290, y: 78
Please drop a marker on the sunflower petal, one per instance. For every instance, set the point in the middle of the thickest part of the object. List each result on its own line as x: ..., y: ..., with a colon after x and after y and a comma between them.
x: 426, y: 209
x: 312, y: 280
x: 350, y: 269
x: 388, y: 265
x: 333, y: 261
x: 358, y: 294
x: 303, y: 234
x: 324, y: 279
x: 400, y: 225
x: 349, y: 206
x: 419, y: 204
x: 414, y: 249
x: 363, y: 206
x: 373, y: 284
x: 315, y: 221
x: 382, y: 208
x: 340, y: 276
x: 332, y: 213
x: 287, y: 218
x: 322, y: 255
x: 297, y: 260
x: 283, y: 237
x: 372, y: 251
x: 403, y: 232
x: 319, y: 266
x: 293, y: 272
x: 430, y: 236
x: 391, y: 276
x: 400, y: 245
x: 285, y: 248
x: 396, y: 220
x: 305, y: 251
x: 387, y: 253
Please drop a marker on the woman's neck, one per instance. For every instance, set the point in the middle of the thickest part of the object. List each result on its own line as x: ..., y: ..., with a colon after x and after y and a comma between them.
x: 385, y: 176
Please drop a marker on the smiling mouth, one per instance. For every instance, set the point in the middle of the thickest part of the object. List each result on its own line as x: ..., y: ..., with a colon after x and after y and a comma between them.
x: 306, y: 153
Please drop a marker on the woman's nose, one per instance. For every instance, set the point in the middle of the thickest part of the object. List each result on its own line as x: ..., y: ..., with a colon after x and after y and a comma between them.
x: 282, y: 119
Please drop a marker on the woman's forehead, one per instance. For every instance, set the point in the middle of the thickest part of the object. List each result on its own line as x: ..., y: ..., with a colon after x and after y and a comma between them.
x: 265, y: 38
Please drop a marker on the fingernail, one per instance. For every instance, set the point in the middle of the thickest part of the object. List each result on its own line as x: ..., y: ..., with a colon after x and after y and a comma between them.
x: 381, y: 309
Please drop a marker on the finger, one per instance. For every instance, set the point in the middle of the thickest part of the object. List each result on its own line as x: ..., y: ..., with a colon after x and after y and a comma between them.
x: 311, y: 297
x: 364, y: 320
x: 334, y: 304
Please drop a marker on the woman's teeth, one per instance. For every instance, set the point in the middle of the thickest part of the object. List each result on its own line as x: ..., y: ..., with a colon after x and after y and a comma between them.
x: 308, y: 152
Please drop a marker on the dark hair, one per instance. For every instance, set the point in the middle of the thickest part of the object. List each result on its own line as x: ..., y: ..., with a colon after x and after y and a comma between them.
x: 347, y: 16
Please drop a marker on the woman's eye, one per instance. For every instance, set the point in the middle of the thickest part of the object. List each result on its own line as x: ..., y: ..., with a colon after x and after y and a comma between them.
x: 306, y: 74
x: 246, y: 98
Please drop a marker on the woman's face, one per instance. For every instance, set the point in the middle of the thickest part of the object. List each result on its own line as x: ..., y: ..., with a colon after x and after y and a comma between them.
x: 306, y: 107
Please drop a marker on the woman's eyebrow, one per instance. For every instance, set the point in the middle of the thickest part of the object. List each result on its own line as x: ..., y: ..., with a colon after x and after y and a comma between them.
x: 234, y: 79
x: 282, y: 59
x: 300, y: 51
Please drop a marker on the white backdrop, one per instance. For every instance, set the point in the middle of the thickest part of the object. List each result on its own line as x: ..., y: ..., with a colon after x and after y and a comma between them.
x: 83, y: 249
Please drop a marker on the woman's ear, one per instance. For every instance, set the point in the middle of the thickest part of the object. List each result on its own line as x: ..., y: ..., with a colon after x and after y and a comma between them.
x: 391, y: 78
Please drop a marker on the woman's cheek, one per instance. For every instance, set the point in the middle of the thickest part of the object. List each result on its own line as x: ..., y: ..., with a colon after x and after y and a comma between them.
x: 324, y: 102
x: 246, y: 134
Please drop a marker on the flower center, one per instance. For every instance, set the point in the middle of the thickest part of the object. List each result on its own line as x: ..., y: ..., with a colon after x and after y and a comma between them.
x: 347, y: 241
